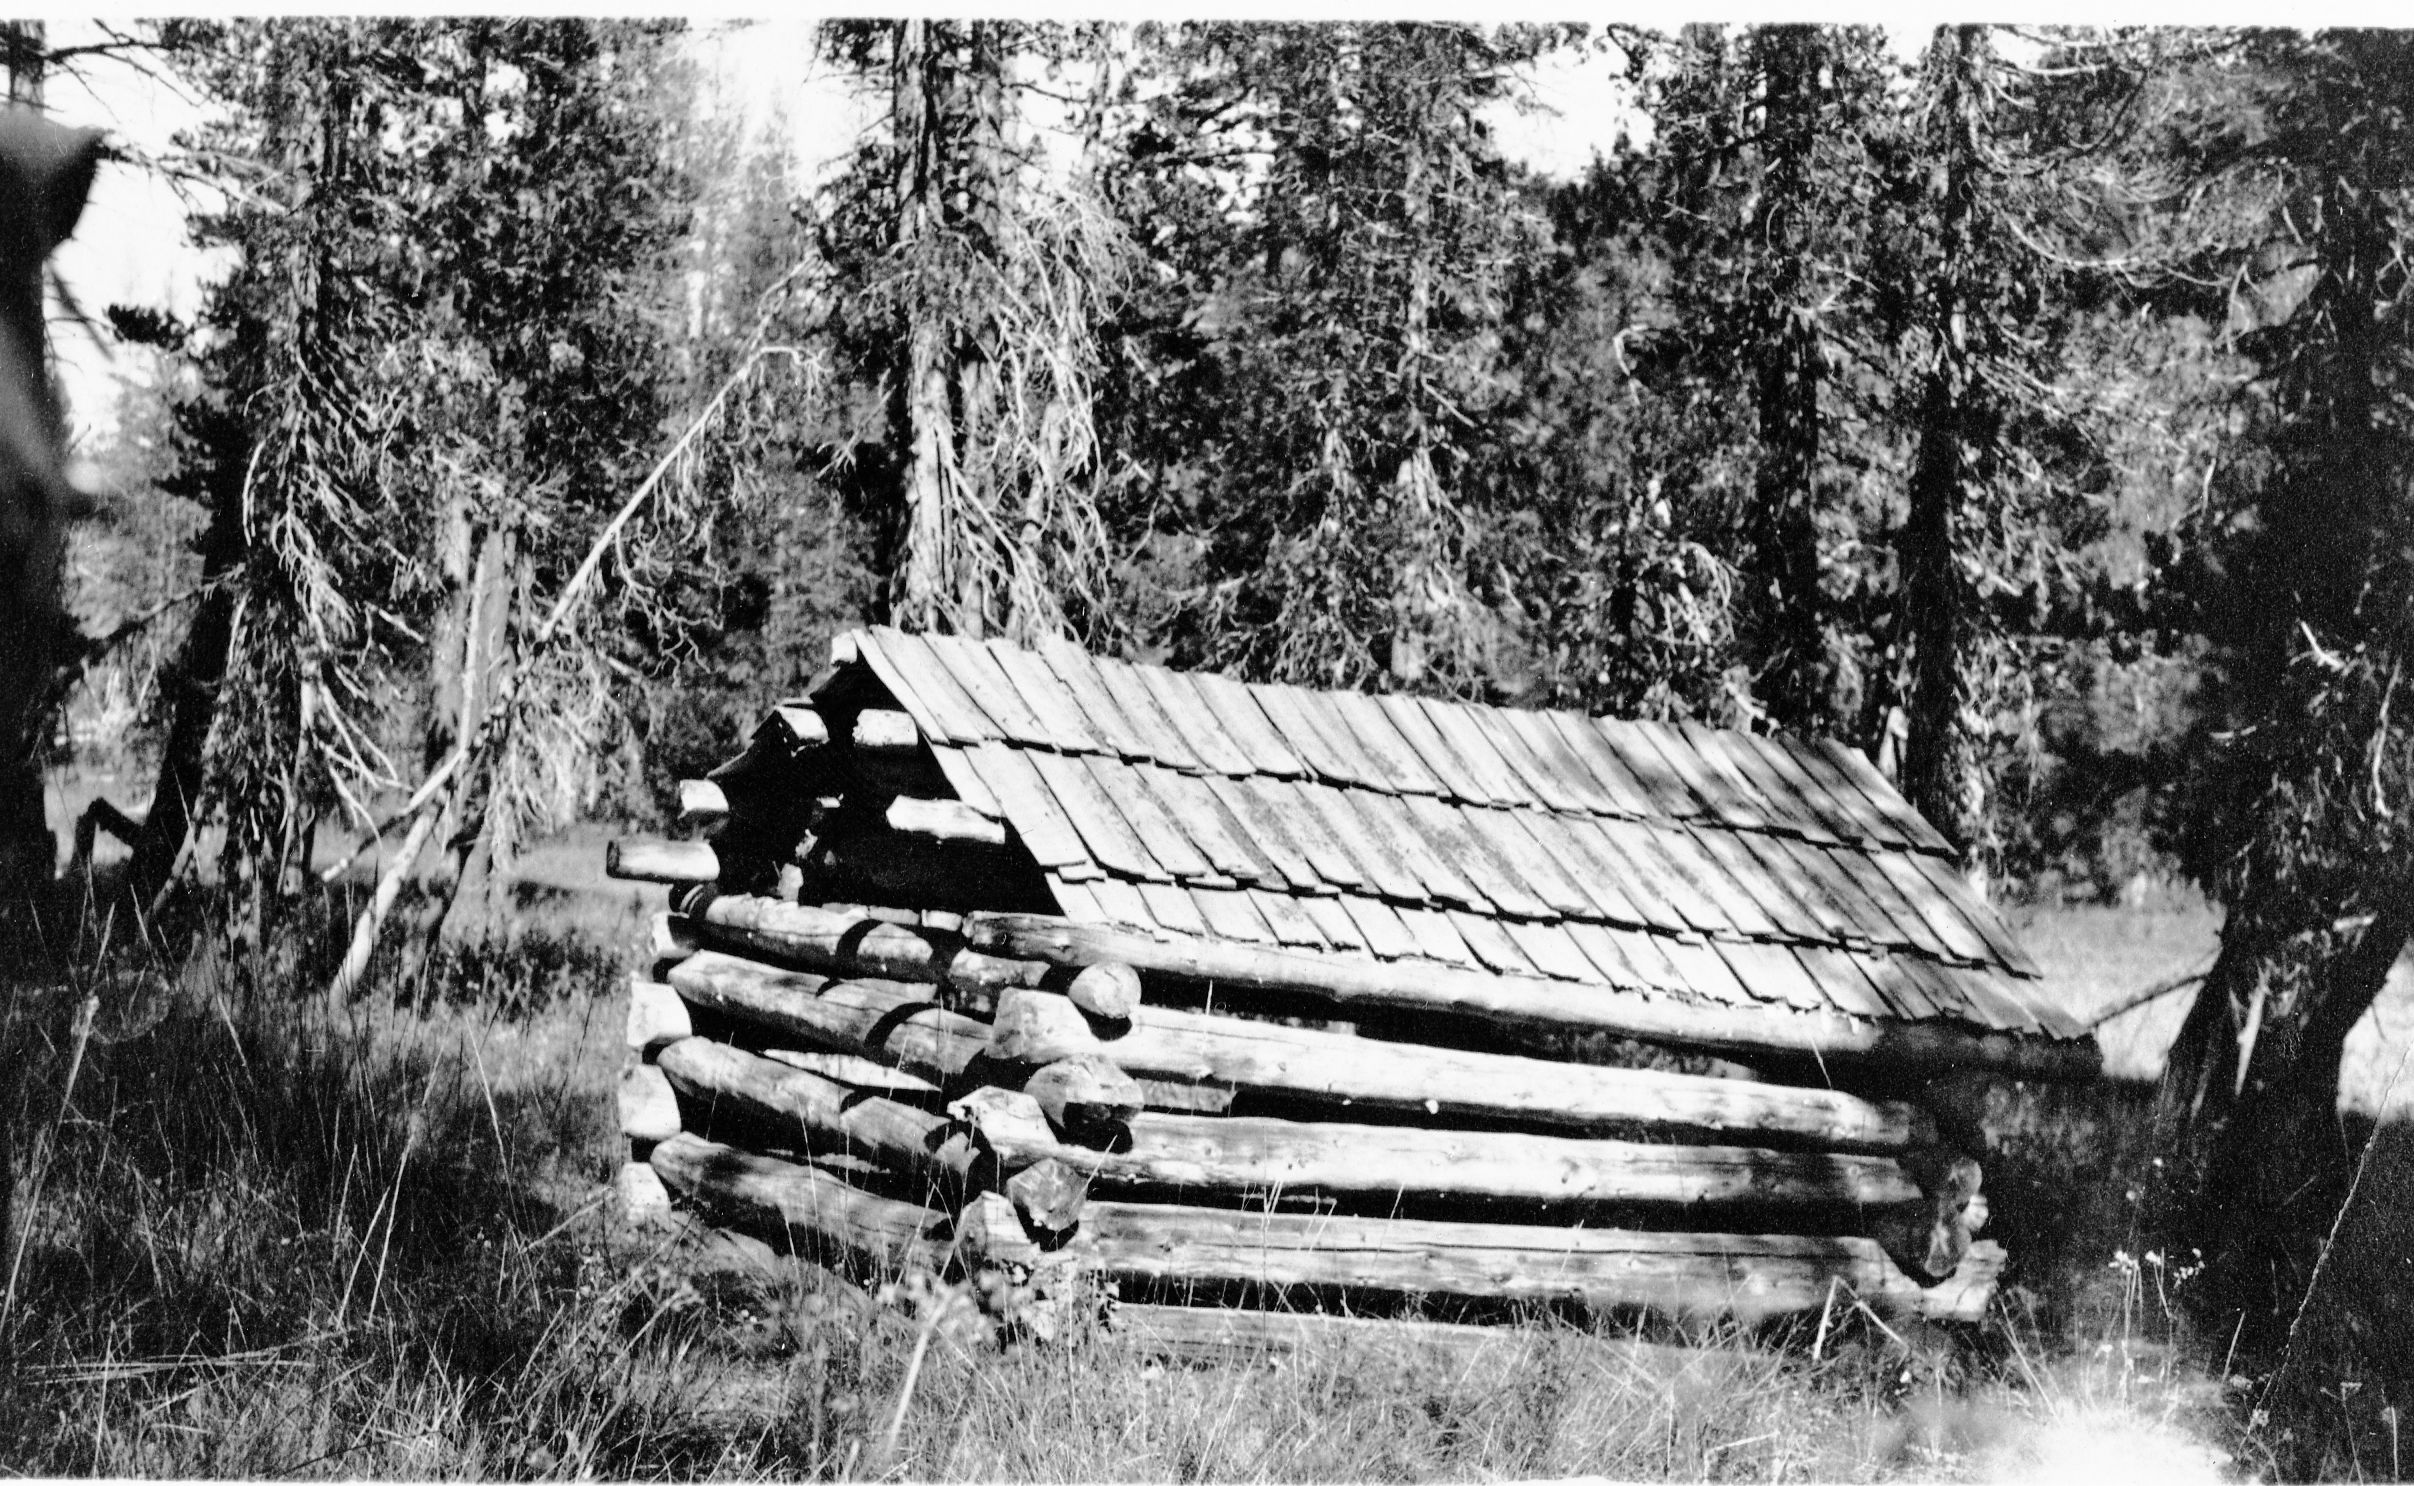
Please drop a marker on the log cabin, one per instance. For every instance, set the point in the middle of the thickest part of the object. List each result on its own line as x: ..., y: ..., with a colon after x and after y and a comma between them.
x: 1185, y: 994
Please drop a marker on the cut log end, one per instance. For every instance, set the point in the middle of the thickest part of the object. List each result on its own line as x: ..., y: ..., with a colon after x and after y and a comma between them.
x: 649, y: 1110
x: 1048, y: 1196
x: 640, y: 1198
x: 880, y: 730
x: 681, y: 863
x: 702, y: 804
x: 1087, y: 1100
x: 1109, y: 991
x: 657, y: 1017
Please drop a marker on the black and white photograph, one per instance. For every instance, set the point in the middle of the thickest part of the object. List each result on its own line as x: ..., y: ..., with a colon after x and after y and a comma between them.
x: 1019, y: 749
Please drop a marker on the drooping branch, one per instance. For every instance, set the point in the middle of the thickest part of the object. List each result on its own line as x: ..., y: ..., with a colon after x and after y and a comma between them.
x: 500, y: 718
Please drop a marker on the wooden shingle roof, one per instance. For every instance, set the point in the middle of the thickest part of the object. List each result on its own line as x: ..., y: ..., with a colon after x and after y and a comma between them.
x: 1668, y: 860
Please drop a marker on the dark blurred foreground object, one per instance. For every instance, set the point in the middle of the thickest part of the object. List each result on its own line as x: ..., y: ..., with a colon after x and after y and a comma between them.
x: 45, y: 172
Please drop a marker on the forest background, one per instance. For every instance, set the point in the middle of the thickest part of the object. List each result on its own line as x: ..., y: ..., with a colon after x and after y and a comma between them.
x: 2026, y: 408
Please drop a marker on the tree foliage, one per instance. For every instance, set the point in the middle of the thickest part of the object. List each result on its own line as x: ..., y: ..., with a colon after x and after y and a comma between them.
x: 439, y: 328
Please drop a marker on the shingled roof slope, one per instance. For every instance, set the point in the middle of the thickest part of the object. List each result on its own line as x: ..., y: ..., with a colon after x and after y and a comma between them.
x: 1674, y: 860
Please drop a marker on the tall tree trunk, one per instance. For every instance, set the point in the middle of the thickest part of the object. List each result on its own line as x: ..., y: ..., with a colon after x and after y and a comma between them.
x: 2247, y: 1111
x: 917, y: 105
x: 470, y: 672
x: 192, y: 681
x: 1781, y: 541
x: 1942, y: 774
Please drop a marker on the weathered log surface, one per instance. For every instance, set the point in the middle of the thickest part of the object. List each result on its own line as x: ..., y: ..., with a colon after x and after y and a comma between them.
x: 855, y: 1072
x: 1237, y: 1157
x: 824, y: 1114
x: 1418, y: 986
x: 641, y: 859
x: 882, y: 1020
x: 802, y: 1211
x: 1749, y: 1277
x: 836, y: 942
x: 1443, y: 1083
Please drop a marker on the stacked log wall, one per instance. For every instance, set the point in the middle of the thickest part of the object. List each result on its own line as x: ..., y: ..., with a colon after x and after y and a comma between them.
x: 862, y: 1037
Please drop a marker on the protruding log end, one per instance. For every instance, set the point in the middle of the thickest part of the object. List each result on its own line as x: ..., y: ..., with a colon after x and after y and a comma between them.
x: 1109, y: 991
x: 989, y: 1232
x: 796, y: 726
x: 884, y: 731
x: 643, y: 1201
x: 669, y: 939
x: 649, y: 1110
x: 702, y: 804
x: 677, y: 862
x: 943, y: 820
x: 1928, y: 1238
x: 1048, y: 1196
x: 1039, y: 1027
x: 1087, y: 1099
x: 657, y: 1017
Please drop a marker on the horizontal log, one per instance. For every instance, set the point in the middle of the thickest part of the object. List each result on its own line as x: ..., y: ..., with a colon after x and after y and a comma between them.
x: 1228, y: 1335
x: 1450, y: 1084
x: 1524, y: 1000
x: 855, y: 1072
x: 641, y: 859
x: 702, y: 804
x: 882, y: 1020
x: 943, y: 820
x: 657, y: 1017
x: 799, y: 1210
x: 1233, y: 1158
x: 824, y: 1114
x: 1691, y: 1275
x: 836, y: 942
x: 649, y: 1111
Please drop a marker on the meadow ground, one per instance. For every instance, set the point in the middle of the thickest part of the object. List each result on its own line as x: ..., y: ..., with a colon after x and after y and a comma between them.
x: 272, y: 1236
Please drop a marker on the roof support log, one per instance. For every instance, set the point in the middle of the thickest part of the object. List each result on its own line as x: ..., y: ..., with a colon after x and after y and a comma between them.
x: 1724, y: 1030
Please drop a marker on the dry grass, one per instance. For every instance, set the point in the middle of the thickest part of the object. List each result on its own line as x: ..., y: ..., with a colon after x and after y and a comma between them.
x: 277, y: 1237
